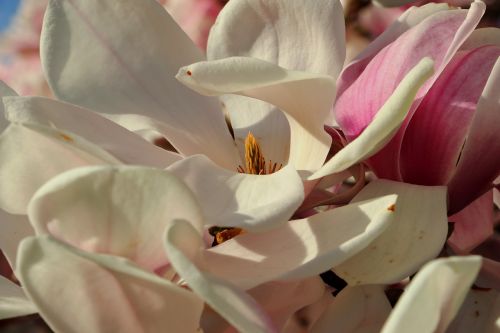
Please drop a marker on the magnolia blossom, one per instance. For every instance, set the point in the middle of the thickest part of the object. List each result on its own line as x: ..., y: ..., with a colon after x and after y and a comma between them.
x: 140, y: 231
x: 453, y: 125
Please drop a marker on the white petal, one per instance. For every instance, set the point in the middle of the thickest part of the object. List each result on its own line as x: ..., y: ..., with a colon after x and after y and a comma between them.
x: 434, y: 296
x: 82, y: 292
x: 120, y: 143
x: 117, y: 210
x: 5, y: 90
x: 480, y: 312
x: 304, y: 97
x: 183, y: 245
x: 417, y: 234
x: 229, y: 198
x: 383, y: 126
x: 31, y: 154
x: 14, y: 229
x: 361, y: 309
x: 13, y: 301
x: 136, y: 50
x: 301, y: 248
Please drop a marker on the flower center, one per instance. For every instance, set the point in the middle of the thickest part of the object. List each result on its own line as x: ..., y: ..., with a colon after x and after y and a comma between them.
x: 255, y: 164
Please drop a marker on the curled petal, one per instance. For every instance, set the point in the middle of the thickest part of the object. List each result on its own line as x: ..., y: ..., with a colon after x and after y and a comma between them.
x: 183, y: 245
x: 115, y: 210
x: 301, y: 248
x: 251, y: 202
x: 416, y: 234
x: 131, y: 70
x: 98, y: 293
x: 304, y: 97
x: 434, y: 296
x: 383, y: 126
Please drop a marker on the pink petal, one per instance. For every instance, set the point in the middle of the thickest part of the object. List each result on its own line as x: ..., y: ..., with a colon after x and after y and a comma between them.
x: 479, y: 164
x: 436, y: 133
x: 439, y: 37
x: 473, y: 224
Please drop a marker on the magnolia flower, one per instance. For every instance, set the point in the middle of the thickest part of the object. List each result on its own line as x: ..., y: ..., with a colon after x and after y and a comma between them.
x: 452, y: 127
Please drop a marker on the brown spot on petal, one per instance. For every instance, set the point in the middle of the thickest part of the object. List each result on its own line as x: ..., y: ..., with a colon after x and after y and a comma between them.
x: 189, y: 73
x: 391, y: 208
x: 66, y: 137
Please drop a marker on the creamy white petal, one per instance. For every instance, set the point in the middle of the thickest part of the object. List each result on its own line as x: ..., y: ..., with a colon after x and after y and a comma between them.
x: 229, y: 198
x: 117, y: 210
x: 305, y: 98
x: 5, y: 90
x: 383, y: 126
x: 417, y: 234
x: 122, y: 144
x: 14, y: 229
x: 480, y: 312
x: 301, y: 248
x: 31, y: 154
x: 76, y: 291
x: 361, y: 309
x: 434, y: 296
x: 136, y: 49
x: 13, y: 301
x: 183, y: 245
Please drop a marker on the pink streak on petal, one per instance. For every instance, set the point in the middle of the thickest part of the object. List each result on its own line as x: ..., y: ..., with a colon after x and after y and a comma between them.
x: 473, y: 224
x: 479, y: 163
x: 436, y: 134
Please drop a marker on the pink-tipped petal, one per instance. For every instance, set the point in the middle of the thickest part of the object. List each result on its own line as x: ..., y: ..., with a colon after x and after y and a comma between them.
x: 436, y: 133
x: 473, y: 224
x: 479, y: 164
x: 115, y: 210
x: 76, y: 291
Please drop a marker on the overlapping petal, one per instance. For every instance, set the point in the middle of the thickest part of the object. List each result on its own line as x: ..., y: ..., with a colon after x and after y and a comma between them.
x: 361, y: 309
x: 480, y: 151
x: 14, y: 229
x: 5, y: 90
x: 13, y: 301
x: 434, y: 296
x: 301, y: 248
x: 229, y: 198
x: 439, y: 36
x: 416, y: 234
x: 383, y: 126
x: 305, y: 98
x: 183, y: 244
x: 99, y: 293
x: 123, y: 145
x: 55, y: 151
x: 131, y: 70
x: 293, y: 34
x: 115, y: 210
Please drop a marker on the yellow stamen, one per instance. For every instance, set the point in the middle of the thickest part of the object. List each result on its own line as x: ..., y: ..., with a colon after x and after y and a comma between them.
x: 255, y: 163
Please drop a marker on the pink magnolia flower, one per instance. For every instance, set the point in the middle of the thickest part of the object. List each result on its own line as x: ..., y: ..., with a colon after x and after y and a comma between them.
x: 451, y: 135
